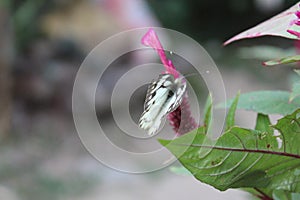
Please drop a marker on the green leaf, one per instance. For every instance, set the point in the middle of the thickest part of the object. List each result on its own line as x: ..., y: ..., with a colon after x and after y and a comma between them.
x: 286, y: 60
x: 295, y: 91
x: 285, y: 195
x: 295, y: 86
x: 276, y: 26
x: 281, y: 195
x: 245, y: 158
x: 180, y: 171
x: 231, y: 112
x: 267, y: 102
x: 208, y: 113
x: 263, y: 123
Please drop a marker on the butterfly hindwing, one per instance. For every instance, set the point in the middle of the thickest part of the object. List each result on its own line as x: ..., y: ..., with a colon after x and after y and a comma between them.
x: 163, y: 96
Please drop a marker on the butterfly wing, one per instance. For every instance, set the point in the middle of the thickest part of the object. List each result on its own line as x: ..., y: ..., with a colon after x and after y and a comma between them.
x: 163, y: 96
x: 179, y: 90
x: 155, y: 98
x: 158, y: 89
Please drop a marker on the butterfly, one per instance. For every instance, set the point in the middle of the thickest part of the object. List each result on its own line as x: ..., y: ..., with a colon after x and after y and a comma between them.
x: 163, y: 96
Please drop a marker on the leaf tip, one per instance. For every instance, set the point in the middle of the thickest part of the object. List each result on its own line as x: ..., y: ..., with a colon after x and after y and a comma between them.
x: 164, y: 142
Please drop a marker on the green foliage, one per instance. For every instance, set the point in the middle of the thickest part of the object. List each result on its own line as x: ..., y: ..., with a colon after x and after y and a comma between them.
x: 49, y: 187
x: 208, y: 113
x: 270, y: 102
x: 263, y: 123
x: 244, y: 158
x: 231, y: 113
x: 180, y: 171
x: 264, y: 161
x: 285, y: 195
x: 295, y: 87
x: 26, y: 21
x: 5, y: 3
x: 267, y: 102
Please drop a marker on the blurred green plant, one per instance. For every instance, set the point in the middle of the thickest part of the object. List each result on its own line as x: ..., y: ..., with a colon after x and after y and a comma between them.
x: 5, y: 4
x: 47, y: 187
x: 260, y: 158
x: 25, y: 20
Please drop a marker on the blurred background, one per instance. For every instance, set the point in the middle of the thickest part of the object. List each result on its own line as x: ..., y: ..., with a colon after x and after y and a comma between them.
x: 43, y: 43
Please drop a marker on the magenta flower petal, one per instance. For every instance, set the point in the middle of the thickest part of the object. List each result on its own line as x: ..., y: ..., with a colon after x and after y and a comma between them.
x: 151, y: 39
x: 297, y: 22
x: 181, y: 119
x: 296, y: 33
x: 294, y: 21
x: 297, y: 13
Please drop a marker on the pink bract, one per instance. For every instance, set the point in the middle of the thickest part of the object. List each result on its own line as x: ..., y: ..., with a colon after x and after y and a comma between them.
x: 151, y: 39
x: 180, y: 119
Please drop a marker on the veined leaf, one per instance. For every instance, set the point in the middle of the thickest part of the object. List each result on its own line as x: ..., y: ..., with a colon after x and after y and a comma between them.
x: 245, y: 158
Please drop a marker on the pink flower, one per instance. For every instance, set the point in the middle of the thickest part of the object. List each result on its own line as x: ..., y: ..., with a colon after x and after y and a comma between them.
x: 295, y: 22
x: 182, y: 115
x: 181, y: 119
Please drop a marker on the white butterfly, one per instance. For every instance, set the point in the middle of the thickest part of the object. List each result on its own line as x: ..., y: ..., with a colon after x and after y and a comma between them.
x: 164, y: 95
